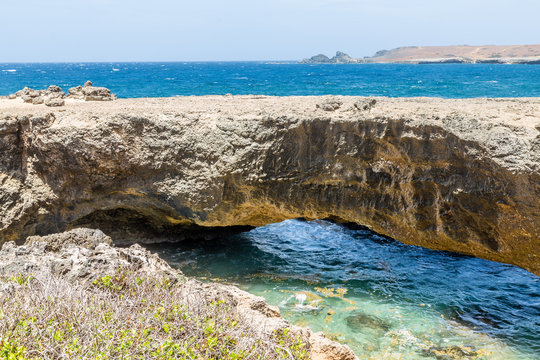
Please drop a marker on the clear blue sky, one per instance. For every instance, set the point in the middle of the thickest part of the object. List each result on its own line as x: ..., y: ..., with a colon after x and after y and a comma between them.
x: 180, y: 30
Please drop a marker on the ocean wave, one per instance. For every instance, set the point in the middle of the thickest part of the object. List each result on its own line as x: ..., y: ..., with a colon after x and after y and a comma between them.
x: 10, y: 70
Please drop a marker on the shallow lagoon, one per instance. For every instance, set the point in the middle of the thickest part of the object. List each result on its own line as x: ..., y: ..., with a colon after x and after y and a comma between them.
x: 384, y: 299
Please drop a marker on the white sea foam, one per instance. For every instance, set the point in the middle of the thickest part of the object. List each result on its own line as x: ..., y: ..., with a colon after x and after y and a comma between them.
x: 301, y: 298
x: 10, y: 70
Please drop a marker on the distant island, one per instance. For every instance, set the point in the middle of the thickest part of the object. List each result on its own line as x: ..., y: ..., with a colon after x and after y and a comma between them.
x: 461, y: 54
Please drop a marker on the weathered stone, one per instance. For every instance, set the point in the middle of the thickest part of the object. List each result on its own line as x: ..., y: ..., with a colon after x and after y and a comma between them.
x: 38, y: 100
x: 26, y: 98
x: 330, y: 104
x: 88, y: 92
x: 365, y: 104
x: 52, y: 96
x: 28, y: 95
x: 76, y: 93
x: 457, y: 175
x: 12, y: 96
x: 54, y: 101
x: 93, y: 93
x: 54, y: 89
x: 87, y: 238
x: 22, y: 91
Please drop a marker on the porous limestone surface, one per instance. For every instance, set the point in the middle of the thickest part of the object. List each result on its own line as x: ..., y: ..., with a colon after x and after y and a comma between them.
x: 459, y: 175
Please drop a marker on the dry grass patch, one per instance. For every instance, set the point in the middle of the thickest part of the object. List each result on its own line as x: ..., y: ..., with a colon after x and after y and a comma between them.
x: 127, y: 317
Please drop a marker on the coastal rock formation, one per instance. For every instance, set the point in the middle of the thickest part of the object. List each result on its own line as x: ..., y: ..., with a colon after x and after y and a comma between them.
x: 79, y: 255
x: 462, y: 54
x: 339, y: 58
x: 89, y: 92
x: 86, y: 257
x: 53, y: 96
x: 457, y: 175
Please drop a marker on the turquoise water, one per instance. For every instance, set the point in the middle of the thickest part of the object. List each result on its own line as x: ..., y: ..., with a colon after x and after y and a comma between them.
x: 172, y: 79
x: 384, y: 299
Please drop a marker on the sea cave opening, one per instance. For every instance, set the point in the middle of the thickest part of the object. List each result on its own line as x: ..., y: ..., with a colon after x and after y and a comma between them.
x: 363, y: 289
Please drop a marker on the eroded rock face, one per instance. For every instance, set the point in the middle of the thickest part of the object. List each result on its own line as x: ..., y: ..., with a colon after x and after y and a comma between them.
x: 80, y: 255
x: 458, y: 175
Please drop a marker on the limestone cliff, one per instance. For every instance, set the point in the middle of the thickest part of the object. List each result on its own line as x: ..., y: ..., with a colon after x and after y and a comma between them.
x: 459, y: 175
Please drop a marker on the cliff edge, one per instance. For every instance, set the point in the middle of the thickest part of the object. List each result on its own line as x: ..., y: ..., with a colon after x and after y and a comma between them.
x: 458, y: 175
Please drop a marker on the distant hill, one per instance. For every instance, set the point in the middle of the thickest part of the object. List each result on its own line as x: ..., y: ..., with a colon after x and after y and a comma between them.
x: 492, y: 54
x: 340, y: 58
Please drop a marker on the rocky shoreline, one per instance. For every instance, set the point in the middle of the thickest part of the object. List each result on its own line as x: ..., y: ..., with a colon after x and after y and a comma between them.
x: 86, y: 260
x: 461, y: 54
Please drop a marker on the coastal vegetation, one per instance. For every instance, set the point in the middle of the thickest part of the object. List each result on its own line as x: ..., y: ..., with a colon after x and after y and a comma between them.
x: 127, y: 317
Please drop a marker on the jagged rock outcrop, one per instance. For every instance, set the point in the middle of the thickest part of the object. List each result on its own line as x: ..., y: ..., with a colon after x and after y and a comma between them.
x: 79, y: 255
x: 458, y: 175
x: 84, y: 256
x: 461, y: 54
x: 53, y: 96
x: 339, y: 58
x: 89, y: 92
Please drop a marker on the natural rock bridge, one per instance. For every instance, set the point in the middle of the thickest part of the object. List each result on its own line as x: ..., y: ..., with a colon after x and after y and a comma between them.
x: 458, y: 175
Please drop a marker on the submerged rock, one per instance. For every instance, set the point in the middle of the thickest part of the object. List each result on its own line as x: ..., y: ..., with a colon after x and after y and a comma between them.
x: 451, y: 352
x: 360, y: 321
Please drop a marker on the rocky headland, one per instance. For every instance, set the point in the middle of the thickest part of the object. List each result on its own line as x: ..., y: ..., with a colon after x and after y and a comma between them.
x: 457, y: 175
x: 461, y: 54
x: 339, y: 58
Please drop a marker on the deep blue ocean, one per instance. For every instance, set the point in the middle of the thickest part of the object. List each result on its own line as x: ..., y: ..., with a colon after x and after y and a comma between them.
x: 219, y: 78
